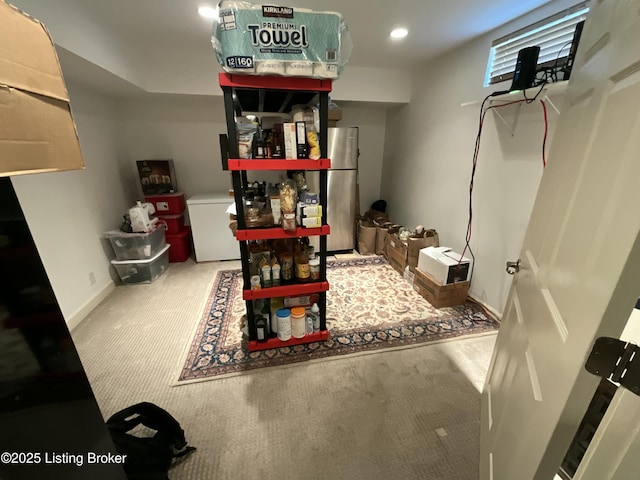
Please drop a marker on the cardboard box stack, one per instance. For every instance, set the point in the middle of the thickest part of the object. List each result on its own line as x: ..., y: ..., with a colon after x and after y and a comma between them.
x: 159, y: 185
x: 439, y: 295
x: 404, y: 253
x: 396, y: 252
x: 441, y: 276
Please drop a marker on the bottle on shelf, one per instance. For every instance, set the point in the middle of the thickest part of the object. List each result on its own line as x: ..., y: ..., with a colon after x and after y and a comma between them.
x: 286, y: 268
x: 298, y: 322
x: 315, y: 313
x: 284, y: 324
x: 261, y: 329
x: 276, y: 303
x: 309, y: 324
x: 275, y: 271
x: 265, y: 272
x: 314, y: 269
x: 277, y: 149
x: 303, y: 272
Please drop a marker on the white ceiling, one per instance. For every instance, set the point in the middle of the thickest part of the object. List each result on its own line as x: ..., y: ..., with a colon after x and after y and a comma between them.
x: 434, y: 25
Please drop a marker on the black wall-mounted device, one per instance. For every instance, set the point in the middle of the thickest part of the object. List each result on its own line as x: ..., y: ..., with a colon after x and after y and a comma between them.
x: 525, y: 73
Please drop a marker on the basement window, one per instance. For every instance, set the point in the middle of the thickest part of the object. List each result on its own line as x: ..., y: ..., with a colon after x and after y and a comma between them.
x: 553, y: 35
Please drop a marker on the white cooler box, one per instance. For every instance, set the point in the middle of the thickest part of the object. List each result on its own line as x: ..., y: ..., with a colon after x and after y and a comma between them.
x: 444, y: 265
x: 212, y: 238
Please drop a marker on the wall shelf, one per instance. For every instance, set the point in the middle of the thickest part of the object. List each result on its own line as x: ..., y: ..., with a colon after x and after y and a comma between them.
x: 279, y: 232
x: 555, y: 89
x: 273, y: 164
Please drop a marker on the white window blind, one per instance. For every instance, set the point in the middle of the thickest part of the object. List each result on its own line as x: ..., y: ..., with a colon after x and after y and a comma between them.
x: 553, y: 35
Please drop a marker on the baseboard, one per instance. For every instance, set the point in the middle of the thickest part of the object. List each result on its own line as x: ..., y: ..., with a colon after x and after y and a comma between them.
x: 491, y: 310
x: 74, y: 320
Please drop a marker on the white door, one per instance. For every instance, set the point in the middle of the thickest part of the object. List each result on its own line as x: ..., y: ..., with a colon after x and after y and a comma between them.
x: 613, y: 452
x: 580, y: 271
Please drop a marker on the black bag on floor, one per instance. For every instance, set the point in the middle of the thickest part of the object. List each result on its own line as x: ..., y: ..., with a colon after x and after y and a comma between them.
x: 148, y: 458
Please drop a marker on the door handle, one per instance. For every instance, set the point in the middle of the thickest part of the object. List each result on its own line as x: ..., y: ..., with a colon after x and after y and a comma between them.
x: 513, y: 267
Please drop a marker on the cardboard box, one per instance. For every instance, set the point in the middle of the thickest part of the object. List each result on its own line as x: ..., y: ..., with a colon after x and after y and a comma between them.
x: 444, y: 265
x: 430, y: 239
x: 334, y: 116
x: 396, y: 253
x: 38, y: 133
x: 157, y: 177
x: 439, y: 295
x: 409, y: 275
x: 385, y: 250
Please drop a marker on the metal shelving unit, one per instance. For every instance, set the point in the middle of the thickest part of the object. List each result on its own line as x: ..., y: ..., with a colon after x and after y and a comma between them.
x: 260, y: 94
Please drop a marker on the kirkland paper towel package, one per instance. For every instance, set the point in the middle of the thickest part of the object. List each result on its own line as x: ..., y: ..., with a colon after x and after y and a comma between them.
x: 273, y: 40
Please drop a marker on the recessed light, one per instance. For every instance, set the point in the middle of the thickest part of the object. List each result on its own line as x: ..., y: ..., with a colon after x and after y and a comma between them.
x: 208, y: 12
x: 399, y: 33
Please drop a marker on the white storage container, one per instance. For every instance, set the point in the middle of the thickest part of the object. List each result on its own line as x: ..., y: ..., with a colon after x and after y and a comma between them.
x: 212, y: 238
x: 134, y: 272
x: 444, y: 265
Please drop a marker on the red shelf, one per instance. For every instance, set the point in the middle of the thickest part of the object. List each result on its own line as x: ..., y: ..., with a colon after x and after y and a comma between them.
x: 271, y: 164
x: 279, y: 232
x: 275, y: 343
x: 274, y: 83
x: 286, y: 290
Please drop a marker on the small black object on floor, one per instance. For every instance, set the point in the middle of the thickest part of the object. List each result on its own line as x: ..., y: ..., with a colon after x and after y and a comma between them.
x: 148, y: 458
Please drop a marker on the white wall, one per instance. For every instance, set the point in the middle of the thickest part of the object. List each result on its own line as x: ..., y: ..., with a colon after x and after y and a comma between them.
x: 428, y: 156
x: 181, y: 127
x: 74, y: 27
x: 67, y: 211
x: 366, y: 84
x: 186, y: 128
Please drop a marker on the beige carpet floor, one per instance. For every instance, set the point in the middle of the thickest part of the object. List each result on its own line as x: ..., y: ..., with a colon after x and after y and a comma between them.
x: 401, y: 414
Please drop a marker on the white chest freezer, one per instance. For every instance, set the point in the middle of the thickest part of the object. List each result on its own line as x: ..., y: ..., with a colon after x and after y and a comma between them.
x: 212, y: 238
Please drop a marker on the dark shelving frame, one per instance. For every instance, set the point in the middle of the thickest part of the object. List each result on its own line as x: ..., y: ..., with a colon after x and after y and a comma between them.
x: 260, y: 94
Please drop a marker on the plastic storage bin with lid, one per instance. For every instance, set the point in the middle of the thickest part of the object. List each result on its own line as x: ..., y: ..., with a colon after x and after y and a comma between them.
x: 168, y: 203
x: 134, y: 272
x: 180, y: 250
x: 136, y: 246
x: 174, y: 223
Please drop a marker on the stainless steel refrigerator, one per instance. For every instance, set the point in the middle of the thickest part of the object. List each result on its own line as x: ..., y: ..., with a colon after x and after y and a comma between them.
x: 342, y: 146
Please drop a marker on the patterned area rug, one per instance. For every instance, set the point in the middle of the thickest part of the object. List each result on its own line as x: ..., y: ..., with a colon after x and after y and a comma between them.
x: 369, y: 307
